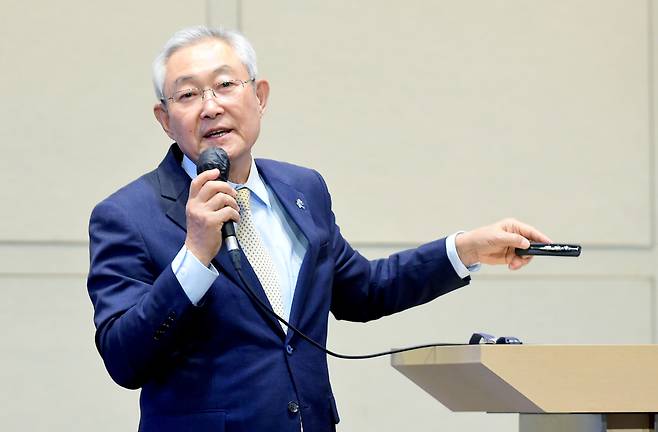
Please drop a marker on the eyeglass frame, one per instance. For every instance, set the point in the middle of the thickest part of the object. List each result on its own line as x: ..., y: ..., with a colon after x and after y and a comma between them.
x: 204, y: 90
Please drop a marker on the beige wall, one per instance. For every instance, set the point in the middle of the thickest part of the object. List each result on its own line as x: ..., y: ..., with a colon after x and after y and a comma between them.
x: 455, y: 113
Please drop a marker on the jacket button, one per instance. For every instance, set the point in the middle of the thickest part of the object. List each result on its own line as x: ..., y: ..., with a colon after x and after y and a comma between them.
x: 289, y: 349
x: 293, y: 407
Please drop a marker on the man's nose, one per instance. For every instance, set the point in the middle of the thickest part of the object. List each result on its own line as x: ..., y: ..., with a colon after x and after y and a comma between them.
x: 212, y: 105
x: 205, y: 95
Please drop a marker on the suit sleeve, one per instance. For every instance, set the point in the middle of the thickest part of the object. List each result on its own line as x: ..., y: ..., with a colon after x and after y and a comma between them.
x: 365, y: 290
x: 137, y: 312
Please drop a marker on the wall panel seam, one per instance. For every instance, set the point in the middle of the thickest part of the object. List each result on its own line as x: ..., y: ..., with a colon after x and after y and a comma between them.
x: 651, y: 123
x: 238, y: 13
x: 652, y: 310
x: 590, y: 277
x: 356, y: 245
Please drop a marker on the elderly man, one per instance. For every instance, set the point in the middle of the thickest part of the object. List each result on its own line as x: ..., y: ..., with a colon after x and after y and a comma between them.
x: 173, y: 317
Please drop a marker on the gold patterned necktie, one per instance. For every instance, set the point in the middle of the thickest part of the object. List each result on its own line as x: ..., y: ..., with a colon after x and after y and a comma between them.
x: 258, y: 256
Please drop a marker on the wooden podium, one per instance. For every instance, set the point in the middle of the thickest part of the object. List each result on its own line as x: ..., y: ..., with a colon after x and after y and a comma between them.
x: 593, y: 388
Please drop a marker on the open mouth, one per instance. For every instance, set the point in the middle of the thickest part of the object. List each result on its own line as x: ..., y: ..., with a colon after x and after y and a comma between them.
x: 217, y: 133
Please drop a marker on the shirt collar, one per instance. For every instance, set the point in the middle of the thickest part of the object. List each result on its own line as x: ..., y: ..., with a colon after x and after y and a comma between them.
x: 254, y: 182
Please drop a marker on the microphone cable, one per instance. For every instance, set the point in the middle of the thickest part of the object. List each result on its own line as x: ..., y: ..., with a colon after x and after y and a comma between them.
x: 217, y: 158
x: 237, y: 262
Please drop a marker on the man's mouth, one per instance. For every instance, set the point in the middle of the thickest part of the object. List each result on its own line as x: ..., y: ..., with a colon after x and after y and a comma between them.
x: 217, y: 133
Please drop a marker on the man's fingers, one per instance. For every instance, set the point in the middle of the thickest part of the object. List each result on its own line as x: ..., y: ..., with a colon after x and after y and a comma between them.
x: 226, y: 214
x: 512, y: 240
x: 516, y: 262
x: 212, y: 219
x: 527, y: 231
x: 221, y: 200
x: 205, y: 186
x: 496, y: 243
x: 201, y: 180
x: 212, y: 188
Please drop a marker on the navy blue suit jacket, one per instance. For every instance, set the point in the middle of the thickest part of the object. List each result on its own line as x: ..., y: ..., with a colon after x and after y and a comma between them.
x: 225, y: 365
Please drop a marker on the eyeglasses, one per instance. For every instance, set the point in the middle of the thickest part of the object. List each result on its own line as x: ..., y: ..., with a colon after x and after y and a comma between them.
x: 193, y: 96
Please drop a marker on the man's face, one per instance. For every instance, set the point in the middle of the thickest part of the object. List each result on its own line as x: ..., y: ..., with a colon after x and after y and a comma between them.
x: 231, y: 122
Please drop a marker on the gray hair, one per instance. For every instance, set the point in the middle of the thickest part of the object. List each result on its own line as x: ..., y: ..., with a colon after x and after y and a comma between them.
x: 191, y: 35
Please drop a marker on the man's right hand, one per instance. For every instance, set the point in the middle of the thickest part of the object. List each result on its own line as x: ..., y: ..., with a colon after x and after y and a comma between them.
x: 210, y: 204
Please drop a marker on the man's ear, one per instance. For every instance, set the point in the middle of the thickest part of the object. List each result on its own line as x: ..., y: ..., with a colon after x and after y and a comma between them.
x: 262, y: 93
x: 162, y: 116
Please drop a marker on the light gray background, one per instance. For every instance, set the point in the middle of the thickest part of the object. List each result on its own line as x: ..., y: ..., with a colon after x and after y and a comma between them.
x: 453, y: 113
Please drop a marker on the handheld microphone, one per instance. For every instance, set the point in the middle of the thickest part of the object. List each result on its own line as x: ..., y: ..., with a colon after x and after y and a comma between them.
x: 211, y: 158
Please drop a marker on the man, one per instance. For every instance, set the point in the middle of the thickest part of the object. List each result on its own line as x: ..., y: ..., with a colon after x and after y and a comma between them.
x: 173, y: 317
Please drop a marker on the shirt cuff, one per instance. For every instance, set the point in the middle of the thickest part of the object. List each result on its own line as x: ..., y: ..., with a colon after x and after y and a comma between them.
x: 194, y: 277
x: 451, y: 249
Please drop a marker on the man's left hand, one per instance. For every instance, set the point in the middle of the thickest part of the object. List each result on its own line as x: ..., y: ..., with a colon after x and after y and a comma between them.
x: 495, y: 244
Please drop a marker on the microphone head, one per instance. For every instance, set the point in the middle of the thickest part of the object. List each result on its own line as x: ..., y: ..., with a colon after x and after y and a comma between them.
x: 211, y: 158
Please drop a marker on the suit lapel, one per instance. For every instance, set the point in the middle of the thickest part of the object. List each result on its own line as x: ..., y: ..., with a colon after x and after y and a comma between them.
x: 174, y: 185
x: 296, y: 207
x: 176, y: 210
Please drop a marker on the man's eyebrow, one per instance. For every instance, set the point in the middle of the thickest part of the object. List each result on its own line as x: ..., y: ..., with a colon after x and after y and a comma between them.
x: 186, y: 78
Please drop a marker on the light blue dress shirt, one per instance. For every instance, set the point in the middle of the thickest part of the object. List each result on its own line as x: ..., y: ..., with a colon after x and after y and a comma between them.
x: 280, y: 236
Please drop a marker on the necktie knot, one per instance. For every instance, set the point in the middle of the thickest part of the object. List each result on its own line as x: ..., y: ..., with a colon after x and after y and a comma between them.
x: 243, y: 199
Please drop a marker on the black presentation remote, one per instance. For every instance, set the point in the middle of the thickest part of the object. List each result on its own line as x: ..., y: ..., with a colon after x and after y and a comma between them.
x: 551, y: 249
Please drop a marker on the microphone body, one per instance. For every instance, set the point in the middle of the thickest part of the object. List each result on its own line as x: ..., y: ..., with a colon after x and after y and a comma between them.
x: 211, y: 158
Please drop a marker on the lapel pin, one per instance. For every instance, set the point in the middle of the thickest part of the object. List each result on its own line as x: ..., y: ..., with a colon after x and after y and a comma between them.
x: 300, y: 204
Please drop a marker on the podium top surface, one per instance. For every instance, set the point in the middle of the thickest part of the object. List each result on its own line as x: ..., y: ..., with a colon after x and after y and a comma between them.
x: 537, y: 378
